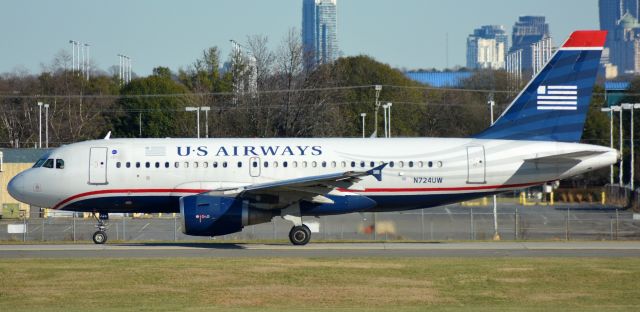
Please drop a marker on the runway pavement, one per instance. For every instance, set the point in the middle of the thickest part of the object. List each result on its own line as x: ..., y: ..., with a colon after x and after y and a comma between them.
x: 335, y: 250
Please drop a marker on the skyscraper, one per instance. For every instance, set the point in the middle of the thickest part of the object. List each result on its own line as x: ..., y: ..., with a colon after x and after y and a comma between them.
x: 622, y: 50
x: 486, y: 47
x: 320, y: 30
x: 530, y: 47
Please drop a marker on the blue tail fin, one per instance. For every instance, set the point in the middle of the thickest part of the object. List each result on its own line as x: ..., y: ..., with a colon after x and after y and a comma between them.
x: 554, y: 106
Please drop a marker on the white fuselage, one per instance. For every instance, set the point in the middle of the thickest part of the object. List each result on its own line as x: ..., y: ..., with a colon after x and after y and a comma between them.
x: 149, y: 175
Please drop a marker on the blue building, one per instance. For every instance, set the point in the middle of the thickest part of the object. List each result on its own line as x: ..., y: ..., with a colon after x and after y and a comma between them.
x: 440, y: 79
x: 320, y: 31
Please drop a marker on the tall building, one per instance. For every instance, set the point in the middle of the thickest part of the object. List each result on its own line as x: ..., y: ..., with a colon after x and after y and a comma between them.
x: 531, y: 46
x: 625, y: 47
x: 320, y: 30
x: 621, y: 54
x: 486, y: 47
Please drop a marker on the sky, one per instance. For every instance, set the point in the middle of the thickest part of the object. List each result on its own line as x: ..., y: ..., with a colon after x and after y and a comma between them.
x: 407, y: 34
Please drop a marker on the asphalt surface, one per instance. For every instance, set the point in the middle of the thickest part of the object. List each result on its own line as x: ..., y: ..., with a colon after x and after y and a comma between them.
x: 335, y: 250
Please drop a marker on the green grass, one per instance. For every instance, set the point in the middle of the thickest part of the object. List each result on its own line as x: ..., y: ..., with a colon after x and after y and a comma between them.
x: 323, y: 284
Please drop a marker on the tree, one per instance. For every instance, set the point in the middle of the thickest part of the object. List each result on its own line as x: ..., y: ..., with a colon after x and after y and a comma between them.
x: 162, y: 113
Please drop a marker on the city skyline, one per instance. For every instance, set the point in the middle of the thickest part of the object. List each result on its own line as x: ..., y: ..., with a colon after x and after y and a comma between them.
x: 409, y: 34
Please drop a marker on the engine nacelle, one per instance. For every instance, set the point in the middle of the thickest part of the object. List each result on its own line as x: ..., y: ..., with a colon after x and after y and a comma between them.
x: 205, y: 215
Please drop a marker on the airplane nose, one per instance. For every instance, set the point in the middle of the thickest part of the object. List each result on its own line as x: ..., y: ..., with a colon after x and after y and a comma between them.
x: 16, y: 187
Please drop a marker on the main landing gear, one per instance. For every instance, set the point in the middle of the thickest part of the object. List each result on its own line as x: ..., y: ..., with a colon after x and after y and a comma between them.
x: 100, y: 236
x: 300, y: 233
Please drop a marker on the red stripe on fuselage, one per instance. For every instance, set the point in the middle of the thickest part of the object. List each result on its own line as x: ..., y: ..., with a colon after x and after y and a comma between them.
x: 195, y: 191
x: 370, y: 190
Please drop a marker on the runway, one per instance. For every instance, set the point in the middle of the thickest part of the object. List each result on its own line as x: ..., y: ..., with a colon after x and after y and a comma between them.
x: 333, y: 250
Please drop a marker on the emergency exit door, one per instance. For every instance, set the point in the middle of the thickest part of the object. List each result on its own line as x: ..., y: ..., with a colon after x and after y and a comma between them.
x: 475, y: 165
x: 254, y: 167
x: 98, y: 165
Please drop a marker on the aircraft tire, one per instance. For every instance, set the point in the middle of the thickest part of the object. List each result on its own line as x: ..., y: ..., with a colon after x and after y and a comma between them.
x: 100, y: 237
x: 300, y: 235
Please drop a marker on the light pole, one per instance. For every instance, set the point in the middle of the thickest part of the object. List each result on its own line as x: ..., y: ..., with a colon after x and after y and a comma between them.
x: 120, y: 67
x: 384, y: 111
x: 389, y: 123
x: 40, y: 124
x: 496, y: 235
x: 633, y: 168
x: 363, y: 115
x: 87, y: 69
x: 195, y: 109
x: 610, y: 111
x: 378, y: 89
x: 630, y: 107
x: 73, y: 55
x: 617, y: 108
x: 206, y: 110
x: 46, y: 125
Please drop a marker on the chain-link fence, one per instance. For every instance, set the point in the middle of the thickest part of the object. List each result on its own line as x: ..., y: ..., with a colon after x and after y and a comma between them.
x: 455, y: 222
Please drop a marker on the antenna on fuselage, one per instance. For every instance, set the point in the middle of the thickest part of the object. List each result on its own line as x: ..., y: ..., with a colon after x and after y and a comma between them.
x: 106, y: 137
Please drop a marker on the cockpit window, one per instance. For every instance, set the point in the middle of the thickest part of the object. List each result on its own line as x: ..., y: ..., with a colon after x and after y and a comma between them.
x: 39, y: 163
x: 48, y: 163
x: 59, y: 164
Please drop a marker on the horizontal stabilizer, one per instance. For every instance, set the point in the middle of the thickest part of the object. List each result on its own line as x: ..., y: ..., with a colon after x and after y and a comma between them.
x: 573, y: 156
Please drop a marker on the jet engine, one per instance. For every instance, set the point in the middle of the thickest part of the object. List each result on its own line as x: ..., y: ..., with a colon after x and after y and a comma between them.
x: 206, y: 215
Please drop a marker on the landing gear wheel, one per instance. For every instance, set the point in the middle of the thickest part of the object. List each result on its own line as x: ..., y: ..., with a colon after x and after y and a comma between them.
x: 300, y: 235
x: 100, y: 237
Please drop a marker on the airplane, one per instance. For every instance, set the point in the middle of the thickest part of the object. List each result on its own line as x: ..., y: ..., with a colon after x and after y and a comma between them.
x: 219, y: 186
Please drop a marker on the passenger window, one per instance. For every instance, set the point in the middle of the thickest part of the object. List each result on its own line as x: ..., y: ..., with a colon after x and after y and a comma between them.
x: 362, y: 164
x: 391, y: 164
x: 304, y: 164
x: 324, y: 164
x: 215, y: 164
x: 196, y: 164
x: 353, y: 164
x: 430, y: 164
x: 440, y: 164
x: 401, y: 164
x: 333, y: 164
x: 344, y: 164
x: 373, y: 164
x: 411, y: 164
x: 295, y: 164
x: 157, y: 164
x: 128, y: 165
x: 166, y: 164
x: 239, y: 164
x: 285, y: 164
x: 176, y: 164
x: 224, y: 164
x: 147, y: 164
x: 186, y: 164
x: 266, y: 164
x: 118, y: 165
x: 60, y: 164
x: 48, y: 163
x: 314, y: 164
x: 205, y: 164
x: 420, y: 164
x: 137, y: 164
x: 275, y: 164
x: 254, y: 164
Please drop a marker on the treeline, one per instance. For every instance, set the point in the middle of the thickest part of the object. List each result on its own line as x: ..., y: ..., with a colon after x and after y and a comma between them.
x: 256, y: 93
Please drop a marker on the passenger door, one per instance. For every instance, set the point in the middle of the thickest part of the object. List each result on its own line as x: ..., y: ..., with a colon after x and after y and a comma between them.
x: 476, y: 165
x: 98, y: 165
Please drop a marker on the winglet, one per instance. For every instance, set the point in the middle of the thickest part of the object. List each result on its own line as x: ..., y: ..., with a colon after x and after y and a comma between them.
x: 108, y: 136
x: 377, y: 172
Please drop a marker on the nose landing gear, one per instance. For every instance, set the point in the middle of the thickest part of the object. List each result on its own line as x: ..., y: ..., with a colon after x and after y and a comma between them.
x: 100, y: 236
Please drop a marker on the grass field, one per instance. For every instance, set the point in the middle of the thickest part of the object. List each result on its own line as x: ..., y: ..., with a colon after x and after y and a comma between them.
x: 323, y: 284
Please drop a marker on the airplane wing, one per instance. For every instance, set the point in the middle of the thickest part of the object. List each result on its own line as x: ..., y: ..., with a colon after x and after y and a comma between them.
x: 306, y: 188
x: 573, y: 156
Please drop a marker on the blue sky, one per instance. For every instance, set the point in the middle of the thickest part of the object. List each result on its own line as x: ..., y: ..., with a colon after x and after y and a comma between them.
x: 403, y: 33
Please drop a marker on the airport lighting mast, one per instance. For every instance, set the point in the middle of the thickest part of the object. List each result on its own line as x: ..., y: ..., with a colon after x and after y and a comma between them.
x: 610, y: 112
x: 378, y: 88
